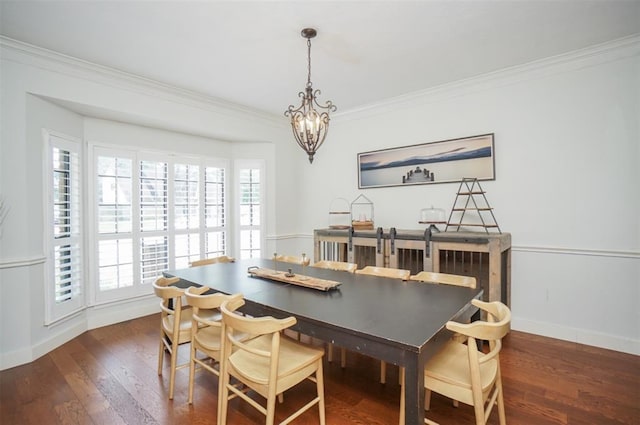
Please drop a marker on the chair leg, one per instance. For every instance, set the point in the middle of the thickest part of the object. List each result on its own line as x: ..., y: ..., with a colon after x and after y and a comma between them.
x: 330, y: 352
x: 402, y: 392
x: 383, y: 372
x: 172, y: 376
x: 271, y: 409
x: 223, y: 396
x: 427, y: 406
x: 161, y: 352
x: 320, y: 389
x: 478, y: 408
x: 501, y: 412
x: 192, y: 370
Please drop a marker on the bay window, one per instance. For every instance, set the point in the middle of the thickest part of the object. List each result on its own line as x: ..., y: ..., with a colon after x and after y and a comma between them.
x: 154, y: 212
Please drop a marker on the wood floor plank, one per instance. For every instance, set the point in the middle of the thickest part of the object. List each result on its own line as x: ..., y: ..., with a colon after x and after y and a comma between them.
x: 117, y: 395
x: 109, y: 376
x: 89, y: 396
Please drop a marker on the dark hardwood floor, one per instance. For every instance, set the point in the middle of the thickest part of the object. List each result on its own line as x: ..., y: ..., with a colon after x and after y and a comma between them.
x: 108, y: 376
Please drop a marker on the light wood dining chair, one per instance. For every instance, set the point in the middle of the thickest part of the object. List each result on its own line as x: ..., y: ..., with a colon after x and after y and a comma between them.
x: 340, y: 266
x: 213, y: 260
x: 385, y: 272
x: 175, y: 325
x: 336, y: 265
x: 268, y: 363
x: 205, y: 330
x: 293, y: 259
x: 393, y: 274
x: 463, y: 373
x: 445, y: 278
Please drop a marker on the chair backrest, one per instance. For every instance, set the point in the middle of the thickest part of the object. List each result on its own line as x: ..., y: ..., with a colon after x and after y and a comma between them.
x: 234, y: 324
x: 467, y: 373
x: 195, y: 298
x: 444, y: 278
x: 171, y: 296
x: 492, y: 330
x: 171, y: 306
x: 214, y: 260
x: 303, y: 261
x: 385, y: 272
x: 336, y: 265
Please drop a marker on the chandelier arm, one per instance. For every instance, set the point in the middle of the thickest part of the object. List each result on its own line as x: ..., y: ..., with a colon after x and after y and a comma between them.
x: 328, y: 105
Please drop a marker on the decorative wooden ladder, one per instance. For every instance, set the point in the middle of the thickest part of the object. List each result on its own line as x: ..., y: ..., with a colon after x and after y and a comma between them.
x: 471, y: 193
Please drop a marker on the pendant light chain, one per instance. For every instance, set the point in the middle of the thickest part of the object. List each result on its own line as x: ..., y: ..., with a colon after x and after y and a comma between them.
x: 309, y: 62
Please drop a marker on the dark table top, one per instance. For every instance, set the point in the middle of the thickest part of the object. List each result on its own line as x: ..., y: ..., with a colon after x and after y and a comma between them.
x: 405, y: 314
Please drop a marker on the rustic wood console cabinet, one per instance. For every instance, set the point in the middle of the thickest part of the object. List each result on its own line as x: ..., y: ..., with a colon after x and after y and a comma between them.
x: 487, y: 256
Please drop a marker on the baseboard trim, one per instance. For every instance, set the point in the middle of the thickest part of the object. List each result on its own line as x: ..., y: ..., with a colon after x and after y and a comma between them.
x: 15, y: 358
x: 116, y: 312
x: 580, y: 336
x: 65, y: 334
x: 60, y: 334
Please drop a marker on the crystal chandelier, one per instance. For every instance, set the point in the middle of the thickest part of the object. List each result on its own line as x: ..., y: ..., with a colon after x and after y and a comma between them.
x: 310, y: 121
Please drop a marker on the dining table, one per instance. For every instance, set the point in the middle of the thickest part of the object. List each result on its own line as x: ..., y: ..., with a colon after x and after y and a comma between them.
x: 400, y: 322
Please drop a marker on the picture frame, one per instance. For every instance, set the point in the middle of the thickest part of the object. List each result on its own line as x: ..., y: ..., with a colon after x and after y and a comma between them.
x: 444, y: 161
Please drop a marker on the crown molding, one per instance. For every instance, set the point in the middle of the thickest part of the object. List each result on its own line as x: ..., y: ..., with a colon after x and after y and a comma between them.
x: 68, y: 65
x: 594, y: 55
x: 578, y: 59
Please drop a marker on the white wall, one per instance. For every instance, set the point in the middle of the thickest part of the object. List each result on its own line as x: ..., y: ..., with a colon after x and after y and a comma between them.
x: 567, y: 149
x: 34, y: 84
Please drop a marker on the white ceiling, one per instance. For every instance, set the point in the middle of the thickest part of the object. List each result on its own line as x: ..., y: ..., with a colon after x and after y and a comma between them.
x: 251, y: 53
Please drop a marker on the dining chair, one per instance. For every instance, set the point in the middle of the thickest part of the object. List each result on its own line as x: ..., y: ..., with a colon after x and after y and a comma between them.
x: 268, y: 363
x: 393, y: 274
x: 464, y: 373
x: 340, y: 266
x: 213, y: 260
x: 336, y: 265
x: 175, y: 325
x: 385, y: 272
x: 445, y: 278
x: 205, y: 330
x: 293, y: 259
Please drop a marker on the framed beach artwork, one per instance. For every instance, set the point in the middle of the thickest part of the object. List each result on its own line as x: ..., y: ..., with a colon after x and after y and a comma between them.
x: 445, y: 161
